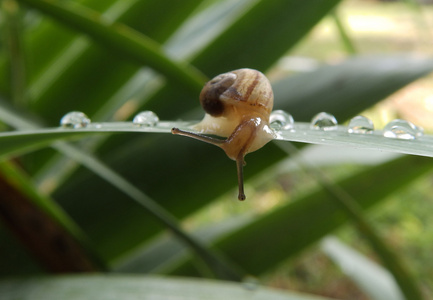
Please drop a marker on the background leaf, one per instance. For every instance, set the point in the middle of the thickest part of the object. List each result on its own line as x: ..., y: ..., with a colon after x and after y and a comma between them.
x: 133, y: 287
x: 291, y: 232
x: 373, y: 279
x: 359, y: 81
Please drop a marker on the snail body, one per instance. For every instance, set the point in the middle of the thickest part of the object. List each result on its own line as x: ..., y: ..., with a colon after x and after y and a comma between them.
x: 237, y: 105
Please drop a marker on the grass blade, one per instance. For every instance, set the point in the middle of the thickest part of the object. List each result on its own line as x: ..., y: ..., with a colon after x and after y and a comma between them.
x: 123, y: 39
x: 24, y: 140
x: 353, y: 209
x: 135, y: 288
x: 259, y: 47
x: 13, y: 23
x: 290, y: 232
x: 418, y: 145
x: 344, y: 36
x: 374, y: 280
x: 164, y: 252
x: 213, y: 261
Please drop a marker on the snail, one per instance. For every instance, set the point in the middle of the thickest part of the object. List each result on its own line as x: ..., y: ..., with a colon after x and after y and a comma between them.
x: 237, y: 105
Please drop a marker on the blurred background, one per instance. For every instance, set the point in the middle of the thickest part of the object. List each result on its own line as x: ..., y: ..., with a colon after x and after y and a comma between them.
x: 58, y: 70
x: 372, y: 27
x: 378, y: 27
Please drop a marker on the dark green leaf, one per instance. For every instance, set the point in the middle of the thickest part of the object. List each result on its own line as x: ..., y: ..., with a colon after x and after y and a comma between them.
x: 131, y: 44
x: 291, y: 228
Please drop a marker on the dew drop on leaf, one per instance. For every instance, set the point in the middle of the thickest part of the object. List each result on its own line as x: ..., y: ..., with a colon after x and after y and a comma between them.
x: 324, y: 121
x: 402, y: 129
x: 360, y: 125
x: 146, y: 118
x: 74, y: 119
x: 280, y: 120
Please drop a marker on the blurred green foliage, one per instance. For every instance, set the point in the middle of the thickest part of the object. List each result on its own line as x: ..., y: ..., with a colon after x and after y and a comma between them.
x: 112, y: 59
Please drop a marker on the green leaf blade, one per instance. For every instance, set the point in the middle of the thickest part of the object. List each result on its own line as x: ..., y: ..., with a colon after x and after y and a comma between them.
x: 370, y: 277
x: 136, y: 287
x: 122, y: 38
x: 278, y: 26
x: 302, y: 222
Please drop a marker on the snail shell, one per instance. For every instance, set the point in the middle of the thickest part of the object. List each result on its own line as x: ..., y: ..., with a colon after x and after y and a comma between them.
x: 237, y: 105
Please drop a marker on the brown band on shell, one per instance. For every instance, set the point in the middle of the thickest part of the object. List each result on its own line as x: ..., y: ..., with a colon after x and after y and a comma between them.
x: 252, y: 86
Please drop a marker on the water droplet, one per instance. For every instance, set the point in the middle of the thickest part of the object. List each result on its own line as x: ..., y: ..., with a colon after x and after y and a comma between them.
x: 280, y: 120
x: 250, y: 283
x: 360, y: 125
x: 402, y: 129
x: 146, y: 118
x: 324, y: 121
x: 74, y: 119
